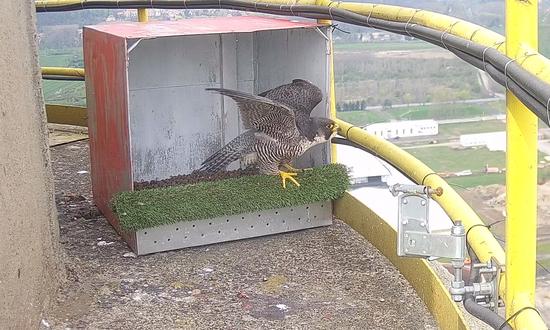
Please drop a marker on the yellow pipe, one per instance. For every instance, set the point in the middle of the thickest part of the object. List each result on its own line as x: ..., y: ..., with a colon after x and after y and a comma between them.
x: 521, y: 176
x: 480, y: 238
x: 418, y: 272
x: 536, y: 64
x: 142, y: 15
x: 59, y: 71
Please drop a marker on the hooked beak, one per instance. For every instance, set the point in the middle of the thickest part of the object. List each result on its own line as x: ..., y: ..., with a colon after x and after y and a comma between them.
x: 335, y: 128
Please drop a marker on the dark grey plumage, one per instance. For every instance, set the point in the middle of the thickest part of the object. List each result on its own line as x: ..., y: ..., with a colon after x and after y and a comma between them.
x: 279, y: 127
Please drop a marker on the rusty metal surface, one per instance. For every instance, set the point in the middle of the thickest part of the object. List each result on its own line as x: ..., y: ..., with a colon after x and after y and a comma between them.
x: 200, y: 26
x: 106, y: 86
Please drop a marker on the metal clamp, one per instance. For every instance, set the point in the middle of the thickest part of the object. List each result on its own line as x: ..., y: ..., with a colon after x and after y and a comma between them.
x: 415, y: 239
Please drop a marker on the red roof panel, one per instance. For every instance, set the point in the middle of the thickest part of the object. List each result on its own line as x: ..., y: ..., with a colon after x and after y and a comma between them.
x: 196, y: 26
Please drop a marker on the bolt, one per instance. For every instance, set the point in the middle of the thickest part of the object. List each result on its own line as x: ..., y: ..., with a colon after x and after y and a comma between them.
x: 412, y: 242
x: 423, y: 224
x: 406, y: 250
x: 405, y: 201
x: 423, y: 202
x: 405, y: 222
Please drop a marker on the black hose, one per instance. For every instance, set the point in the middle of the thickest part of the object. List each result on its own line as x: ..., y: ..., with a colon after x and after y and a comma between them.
x: 59, y: 77
x: 534, y: 92
x: 486, y: 315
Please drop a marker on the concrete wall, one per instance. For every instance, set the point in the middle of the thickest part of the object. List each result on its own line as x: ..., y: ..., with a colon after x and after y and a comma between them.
x: 29, y: 264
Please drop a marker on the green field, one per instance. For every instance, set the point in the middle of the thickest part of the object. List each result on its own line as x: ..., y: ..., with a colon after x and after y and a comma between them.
x: 445, y: 159
x: 471, y: 128
x: 382, y: 46
x: 437, y: 112
x: 63, y: 92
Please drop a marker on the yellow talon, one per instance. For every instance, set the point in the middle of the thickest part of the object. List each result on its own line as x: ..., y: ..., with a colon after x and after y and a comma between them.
x: 289, y: 176
x: 292, y: 169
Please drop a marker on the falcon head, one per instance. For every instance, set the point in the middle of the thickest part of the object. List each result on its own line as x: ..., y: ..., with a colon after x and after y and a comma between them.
x: 325, y: 129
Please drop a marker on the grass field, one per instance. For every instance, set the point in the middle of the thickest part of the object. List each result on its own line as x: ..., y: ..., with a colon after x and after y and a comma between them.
x: 471, y: 128
x: 63, y: 92
x: 382, y: 46
x: 445, y: 159
x: 437, y: 112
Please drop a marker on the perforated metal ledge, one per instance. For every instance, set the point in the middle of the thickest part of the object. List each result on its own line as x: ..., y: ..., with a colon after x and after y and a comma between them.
x: 202, y: 232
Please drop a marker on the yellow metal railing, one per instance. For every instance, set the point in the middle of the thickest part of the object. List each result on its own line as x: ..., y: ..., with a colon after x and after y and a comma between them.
x: 521, y: 177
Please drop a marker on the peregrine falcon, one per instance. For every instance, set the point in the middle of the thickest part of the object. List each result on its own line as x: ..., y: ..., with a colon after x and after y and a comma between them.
x: 280, y: 129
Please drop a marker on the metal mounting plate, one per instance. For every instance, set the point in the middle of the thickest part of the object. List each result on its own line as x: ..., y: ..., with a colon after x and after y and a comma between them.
x: 413, y: 217
x: 222, y: 229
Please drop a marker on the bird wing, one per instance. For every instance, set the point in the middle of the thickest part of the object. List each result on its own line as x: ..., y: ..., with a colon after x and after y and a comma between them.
x: 267, y: 116
x: 292, y: 95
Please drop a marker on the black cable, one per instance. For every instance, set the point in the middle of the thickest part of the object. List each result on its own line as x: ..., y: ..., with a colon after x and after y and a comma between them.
x: 534, y: 92
x: 426, y: 176
x: 513, y: 316
x: 59, y: 77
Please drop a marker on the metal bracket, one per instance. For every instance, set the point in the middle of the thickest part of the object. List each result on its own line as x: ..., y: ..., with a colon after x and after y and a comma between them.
x: 413, y: 229
x: 414, y: 239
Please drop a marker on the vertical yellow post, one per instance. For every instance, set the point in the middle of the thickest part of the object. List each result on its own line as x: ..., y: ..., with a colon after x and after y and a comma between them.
x: 521, y: 176
x: 332, y: 94
x: 142, y: 15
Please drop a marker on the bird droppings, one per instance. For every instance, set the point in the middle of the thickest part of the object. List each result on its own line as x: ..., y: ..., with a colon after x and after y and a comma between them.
x: 153, y: 207
x: 282, y: 307
x: 317, y: 264
x: 129, y: 255
x: 104, y: 243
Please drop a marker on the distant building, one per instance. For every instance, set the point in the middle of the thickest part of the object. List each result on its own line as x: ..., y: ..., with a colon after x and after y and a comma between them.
x: 399, y: 129
x: 494, y: 141
x: 365, y: 169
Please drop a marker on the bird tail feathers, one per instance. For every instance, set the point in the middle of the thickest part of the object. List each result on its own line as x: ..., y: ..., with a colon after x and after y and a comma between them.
x: 234, y: 150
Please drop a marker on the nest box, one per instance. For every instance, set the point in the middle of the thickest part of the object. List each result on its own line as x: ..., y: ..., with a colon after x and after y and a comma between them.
x: 150, y: 117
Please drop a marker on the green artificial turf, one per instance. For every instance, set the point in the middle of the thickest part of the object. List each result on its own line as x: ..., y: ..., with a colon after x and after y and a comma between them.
x: 158, y: 206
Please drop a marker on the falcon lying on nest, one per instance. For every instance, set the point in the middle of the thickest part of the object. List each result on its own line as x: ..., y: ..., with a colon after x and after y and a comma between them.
x: 280, y: 129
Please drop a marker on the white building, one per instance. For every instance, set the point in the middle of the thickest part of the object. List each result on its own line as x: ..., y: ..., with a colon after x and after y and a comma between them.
x: 399, y: 129
x: 494, y: 141
x: 365, y: 169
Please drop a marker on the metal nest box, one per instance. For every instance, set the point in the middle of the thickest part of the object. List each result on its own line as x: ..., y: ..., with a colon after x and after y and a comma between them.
x: 150, y: 117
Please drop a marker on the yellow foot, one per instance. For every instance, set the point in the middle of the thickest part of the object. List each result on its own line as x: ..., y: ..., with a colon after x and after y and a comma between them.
x: 292, y: 169
x: 289, y: 176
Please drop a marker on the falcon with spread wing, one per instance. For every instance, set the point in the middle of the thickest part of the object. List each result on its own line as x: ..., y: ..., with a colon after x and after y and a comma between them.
x: 279, y: 129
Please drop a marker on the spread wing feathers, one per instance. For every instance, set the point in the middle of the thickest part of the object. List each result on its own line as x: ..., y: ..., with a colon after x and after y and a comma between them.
x: 300, y: 95
x: 270, y: 117
x: 235, y: 149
